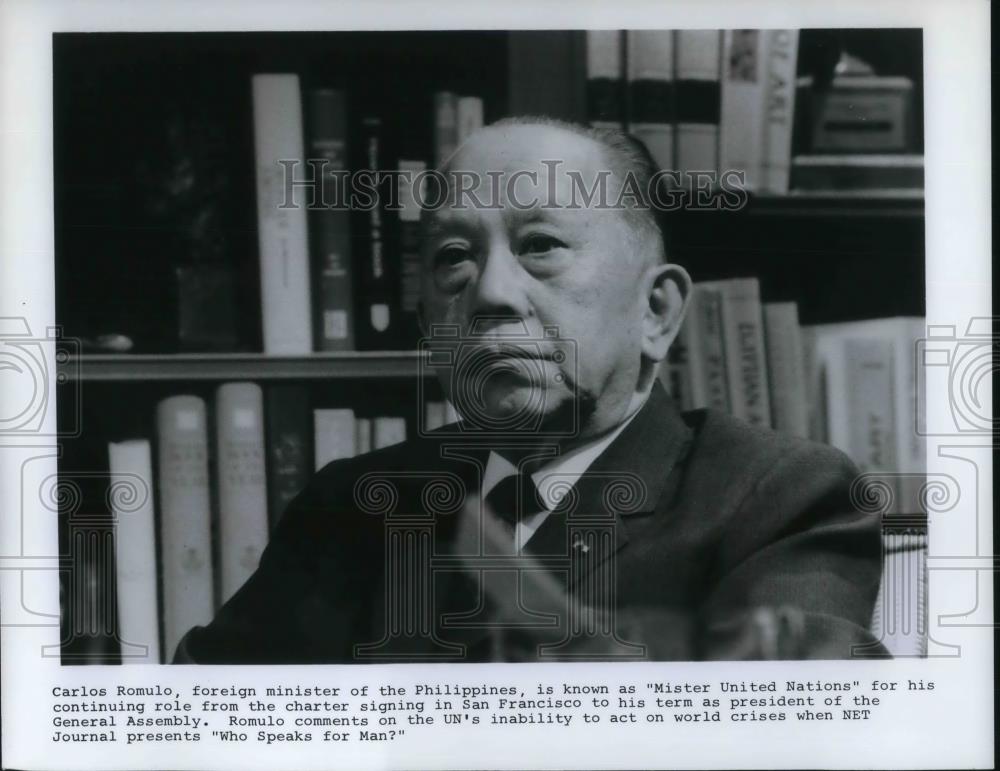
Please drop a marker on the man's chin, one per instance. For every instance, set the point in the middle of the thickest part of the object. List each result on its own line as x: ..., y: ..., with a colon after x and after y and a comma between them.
x: 528, y: 410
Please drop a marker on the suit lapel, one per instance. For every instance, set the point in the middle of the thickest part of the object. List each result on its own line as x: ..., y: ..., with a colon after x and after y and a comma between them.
x: 628, y: 479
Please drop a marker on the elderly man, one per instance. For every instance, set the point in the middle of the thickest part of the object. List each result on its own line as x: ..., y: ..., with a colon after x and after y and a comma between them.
x: 574, y: 512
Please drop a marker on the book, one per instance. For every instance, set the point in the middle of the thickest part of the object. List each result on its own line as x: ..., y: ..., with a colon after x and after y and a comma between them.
x: 334, y: 433
x: 376, y: 305
x: 410, y: 263
x: 131, y: 498
x: 786, y: 373
x: 828, y: 370
x: 781, y: 46
x: 468, y: 117
x: 651, y: 92
x: 434, y: 415
x: 697, y: 99
x: 281, y: 225
x: 445, y: 126
x: 242, y: 483
x: 363, y: 436
x: 741, y: 124
x: 330, y: 228
x: 289, y: 446
x: 605, y: 105
x: 701, y: 335
x: 185, y: 517
x: 870, y: 433
x: 899, y: 619
x: 387, y: 431
x: 743, y: 339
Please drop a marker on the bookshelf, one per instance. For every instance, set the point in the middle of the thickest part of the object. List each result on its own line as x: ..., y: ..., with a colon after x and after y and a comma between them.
x: 842, y: 255
x: 240, y: 366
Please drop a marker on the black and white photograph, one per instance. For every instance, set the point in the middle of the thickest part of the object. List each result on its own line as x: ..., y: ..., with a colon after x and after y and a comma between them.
x: 394, y: 353
x: 639, y: 349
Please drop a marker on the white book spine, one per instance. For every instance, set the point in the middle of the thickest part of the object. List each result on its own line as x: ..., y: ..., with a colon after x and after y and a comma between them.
x: 743, y: 333
x: 698, y: 59
x: 604, y: 53
x: 185, y: 521
x: 363, y: 435
x: 781, y: 46
x: 281, y: 223
x: 242, y: 485
x: 741, y: 122
x: 335, y: 435
x: 131, y: 497
x: 786, y: 368
x: 388, y: 431
x: 469, y: 115
x: 869, y: 398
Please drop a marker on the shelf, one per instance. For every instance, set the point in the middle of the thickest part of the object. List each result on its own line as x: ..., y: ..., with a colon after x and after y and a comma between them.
x: 908, y: 202
x: 240, y: 366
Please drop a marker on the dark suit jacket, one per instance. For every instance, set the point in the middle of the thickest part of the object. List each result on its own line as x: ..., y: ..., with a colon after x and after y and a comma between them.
x: 692, y: 536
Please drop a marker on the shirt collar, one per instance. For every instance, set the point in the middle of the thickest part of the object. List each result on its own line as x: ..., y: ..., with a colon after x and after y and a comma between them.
x: 555, y: 477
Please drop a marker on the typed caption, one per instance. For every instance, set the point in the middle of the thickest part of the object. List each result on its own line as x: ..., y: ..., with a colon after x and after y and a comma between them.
x: 383, y: 711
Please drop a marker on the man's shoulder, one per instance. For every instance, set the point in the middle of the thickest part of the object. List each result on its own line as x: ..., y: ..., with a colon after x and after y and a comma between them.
x: 735, y: 456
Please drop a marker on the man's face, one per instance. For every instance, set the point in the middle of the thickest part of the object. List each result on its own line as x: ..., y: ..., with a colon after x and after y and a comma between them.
x: 528, y: 264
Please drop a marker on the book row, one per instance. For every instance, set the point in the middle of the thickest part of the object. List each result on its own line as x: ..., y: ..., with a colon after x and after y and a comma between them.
x: 223, y: 474
x: 855, y: 385
x: 719, y: 101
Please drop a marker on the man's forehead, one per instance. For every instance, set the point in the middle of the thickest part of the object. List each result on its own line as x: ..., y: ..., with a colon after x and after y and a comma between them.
x: 508, y: 149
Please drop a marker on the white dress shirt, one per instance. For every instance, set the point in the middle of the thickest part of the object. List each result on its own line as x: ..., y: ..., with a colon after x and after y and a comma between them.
x: 552, y: 479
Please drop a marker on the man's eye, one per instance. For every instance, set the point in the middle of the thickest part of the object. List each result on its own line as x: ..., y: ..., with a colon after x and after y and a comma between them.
x: 450, y: 256
x: 540, y: 244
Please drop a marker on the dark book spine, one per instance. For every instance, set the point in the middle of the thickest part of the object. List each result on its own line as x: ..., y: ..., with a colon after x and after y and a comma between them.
x: 330, y: 221
x: 409, y: 252
x: 375, y: 308
x: 289, y: 446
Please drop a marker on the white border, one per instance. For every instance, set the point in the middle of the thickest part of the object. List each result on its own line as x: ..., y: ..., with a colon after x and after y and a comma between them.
x: 954, y: 728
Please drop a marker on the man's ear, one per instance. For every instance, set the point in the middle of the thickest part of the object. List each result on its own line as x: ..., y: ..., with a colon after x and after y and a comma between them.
x: 669, y: 288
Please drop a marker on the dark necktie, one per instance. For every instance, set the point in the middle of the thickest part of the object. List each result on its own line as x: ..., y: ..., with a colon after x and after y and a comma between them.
x: 514, y: 497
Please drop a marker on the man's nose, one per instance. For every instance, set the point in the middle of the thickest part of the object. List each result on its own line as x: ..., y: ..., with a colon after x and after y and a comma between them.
x: 500, y: 290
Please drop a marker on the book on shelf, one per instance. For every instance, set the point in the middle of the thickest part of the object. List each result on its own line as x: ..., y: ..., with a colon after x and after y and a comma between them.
x: 375, y: 245
x: 828, y: 346
x: 786, y: 374
x: 651, y: 92
x: 334, y: 435
x: 445, y: 126
x: 241, y: 483
x: 701, y: 335
x: 185, y: 517
x: 698, y: 53
x: 870, y: 429
x: 289, y: 445
x: 468, y: 117
x: 741, y: 141
x: 131, y: 478
x: 781, y: 58
x: 363, y: 436
x: 282, y: 225
x: 329, y: 220
x: 605, y: 79
x: 743, y: 342
x: 387, y: 431
x: 410, y: 263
